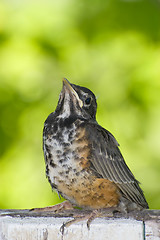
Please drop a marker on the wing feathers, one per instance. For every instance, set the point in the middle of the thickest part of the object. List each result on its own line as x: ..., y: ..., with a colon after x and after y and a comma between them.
x: 108, y: 162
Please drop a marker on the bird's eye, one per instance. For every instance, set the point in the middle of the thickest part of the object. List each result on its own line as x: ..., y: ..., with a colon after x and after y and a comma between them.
x: 88, y: 100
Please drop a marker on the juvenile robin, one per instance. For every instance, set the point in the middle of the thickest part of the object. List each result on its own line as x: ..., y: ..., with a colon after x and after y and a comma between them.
x: 83, y: 160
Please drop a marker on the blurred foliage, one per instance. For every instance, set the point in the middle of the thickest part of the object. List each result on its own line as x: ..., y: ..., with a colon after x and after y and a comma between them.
x: 111, y: 47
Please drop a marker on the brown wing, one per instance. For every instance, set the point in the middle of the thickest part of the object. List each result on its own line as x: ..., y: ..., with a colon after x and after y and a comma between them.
x: 108, y: 162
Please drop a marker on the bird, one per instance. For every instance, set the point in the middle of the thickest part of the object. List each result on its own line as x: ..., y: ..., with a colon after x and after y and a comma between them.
x: 83, y: 160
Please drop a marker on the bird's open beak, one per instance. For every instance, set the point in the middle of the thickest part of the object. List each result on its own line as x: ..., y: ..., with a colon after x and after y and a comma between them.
x: 67, y: 84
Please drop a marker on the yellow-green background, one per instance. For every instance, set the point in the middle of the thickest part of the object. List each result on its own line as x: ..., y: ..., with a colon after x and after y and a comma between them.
x: 109, y: 46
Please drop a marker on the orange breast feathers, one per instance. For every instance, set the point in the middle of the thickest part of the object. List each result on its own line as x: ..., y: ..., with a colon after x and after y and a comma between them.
x: 87, y: 190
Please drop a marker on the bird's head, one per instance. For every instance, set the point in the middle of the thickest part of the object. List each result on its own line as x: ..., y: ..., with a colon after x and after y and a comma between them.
x: 76, y: 100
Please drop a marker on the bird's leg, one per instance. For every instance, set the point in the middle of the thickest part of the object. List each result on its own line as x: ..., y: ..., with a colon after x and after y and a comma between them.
x: 93, y: 215
x: 77, y: 218
x: 89, y: 217
x: 108, y: 212
x: 66, y: 205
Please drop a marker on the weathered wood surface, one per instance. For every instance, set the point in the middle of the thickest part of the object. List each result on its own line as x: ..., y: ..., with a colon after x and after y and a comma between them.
x: 28, y: 225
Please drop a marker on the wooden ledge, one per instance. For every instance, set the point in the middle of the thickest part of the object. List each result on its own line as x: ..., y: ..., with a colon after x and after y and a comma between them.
x: 28, y: 225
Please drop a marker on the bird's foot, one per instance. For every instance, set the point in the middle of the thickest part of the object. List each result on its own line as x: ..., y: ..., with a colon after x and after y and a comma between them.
x: 78, y: 218
x: 66, y: 205
x: 108, y: 212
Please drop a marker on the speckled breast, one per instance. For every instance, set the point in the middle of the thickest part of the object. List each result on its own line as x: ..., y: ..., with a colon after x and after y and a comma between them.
x: 66, y: 153
x: 68, y: 168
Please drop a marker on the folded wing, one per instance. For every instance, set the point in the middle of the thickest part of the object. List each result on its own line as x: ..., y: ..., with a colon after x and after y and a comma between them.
x: 108, y: 162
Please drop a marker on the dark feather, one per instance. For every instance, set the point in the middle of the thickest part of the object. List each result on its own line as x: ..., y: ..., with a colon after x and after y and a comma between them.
x: 108, y: 162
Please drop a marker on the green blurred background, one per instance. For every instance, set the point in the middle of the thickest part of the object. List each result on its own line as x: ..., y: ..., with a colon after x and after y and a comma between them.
x: 111, y: 47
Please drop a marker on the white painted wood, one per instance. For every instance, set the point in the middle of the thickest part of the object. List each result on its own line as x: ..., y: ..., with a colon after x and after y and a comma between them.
x: 152, y: 229
x: 48, y: 228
